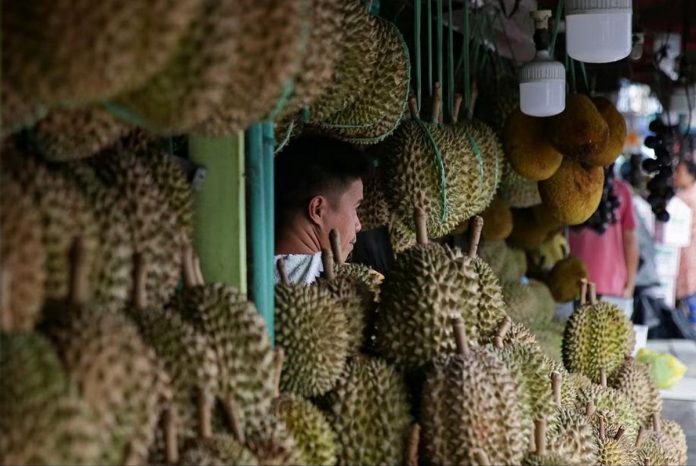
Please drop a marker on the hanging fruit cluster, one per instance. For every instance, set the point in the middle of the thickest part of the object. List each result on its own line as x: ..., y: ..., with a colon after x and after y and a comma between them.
x: 660, y: 186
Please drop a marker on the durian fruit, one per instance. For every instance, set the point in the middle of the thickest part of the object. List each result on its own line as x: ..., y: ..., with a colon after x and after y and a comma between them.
x: 18, y: 111
x: 80, y: 52
x: 22, y: 259
x: 373, y: 212
x: 497, y: 221
x: 596, y: 337
x: 309, y: 427
x: 272, y: 444
x: 508, y: 263
x: 675, y: 434
x: 527, y: 147
x: 69, y: 134
x: 471, y: 403
x: 632, y: 378
x: 64, y: 213
x: 657, y: 448
x: 370, y: 413
x: 156, y: 236
x: 527, y: 233
x: 573, y: 193
x: 617, y: 134
x: 518, y: 192
x: 358, y: 53
x: 541, y: 456
x: 314, y: 330
x: 497, y: 102
x: 527, y: 305
x: 267, y: 40
x: 218, y: 450
x: 612, y: 401
x: 614, y: 448
x: 380, y: 106
x: 426, y: 285
x: 571, y: 433
x: 579, y: 131
x: 193, y: 81
x: 564, y: 277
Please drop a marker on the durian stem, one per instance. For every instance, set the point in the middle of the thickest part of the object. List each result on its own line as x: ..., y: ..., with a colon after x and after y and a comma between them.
x: 413, y: 107
x: 198, y: 269
x: 335, y: 240
x: 205, y: 410
x: 280, y: 264
x: 170, y: 436
x: 78, y: 279
x: 460, y: 336
x: 480, y: 457
x: 593, y: 293
x: 139, y: 293
x: 457, y: 107
x: 620, y: 433
x: 189, y: 272
x: 328, y: 261
x: 603, y: 377
x: 503, y: 328
x: 602, y: 428
x: 131, y: 457
x: 278, y: 360
x: 657, y: 424
x: 421, y: 226
x: 6, y: 317
x: 589, y: 409
x: 540, y: 436
x: 413, y: 441
x: 476, y: 228
x: 583, y: 291
x: 639, y: 437
x: 437, y: 103
x: 233, y: 418
x: 556, y: 387
x: 498, y: 342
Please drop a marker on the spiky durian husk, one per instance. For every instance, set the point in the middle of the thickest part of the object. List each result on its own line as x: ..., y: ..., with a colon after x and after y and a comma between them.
x: 426, y: 286
x: 344, y: 291
x: 114, y: 371
x: 517, y: 191
x: 218, y: 450
x: 82, y: 51
x: 314, y: 331
x: 369, y: 411
x: 193, y: 82
x: 65, y: 216
x: 596, y: 336
x: 238, y: 335
x: 267, y: 41
x: 69, y: 134
x: 491, y: 304
x: 611, y: 400
x: 495, y: 103
x: 309, y: 427
x: 270, y: 441
x: 614, y: 452
x: 358, y: 52
x: 373, y: 212
x: 570, y: 433
x: 378, y: 110
x: 22, y: 258
x: 401, y: 236
x: 522, y: 304
x: 632, y: 378
x: 18, y: 111
x: 675, y: 434
x: 548, y: 459
x: 462, y: 394
x: 156, y: 236
x: 656, y: 449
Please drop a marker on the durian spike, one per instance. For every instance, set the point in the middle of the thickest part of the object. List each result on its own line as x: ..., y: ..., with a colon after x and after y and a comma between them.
x: 556, y: 387
x: 589, y: 408
x: 459, y: 336
x: 540, y: 436
x: 593, y: 293
x: 603, y: 377
x: 280, y: 264
x: 480, y: 457
x: 413, y: 441
x: 413, y: 107
x: 335, y: 240
x: 583, y: 291
x: 602, y: 428
x: 6, y: 320
x: 620, y: 433
x: 170, y: 436
x: 657, y: 423
x: 639, y: 437
x: 437, y: 103
x: 205, y: 412
x: 198, y: 269
x: 328, y: 261
x: 476, y: 227
x: 139, y: 293
x: 188, y: 269
x: 78, y: 280
x: 421, y: 226
x: 457, y: 107
x: 278, y: 360
x: 233, y: 418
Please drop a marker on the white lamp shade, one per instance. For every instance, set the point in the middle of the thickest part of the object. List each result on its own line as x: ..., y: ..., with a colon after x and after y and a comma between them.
x: 598, y: 31
x: 542, y: 98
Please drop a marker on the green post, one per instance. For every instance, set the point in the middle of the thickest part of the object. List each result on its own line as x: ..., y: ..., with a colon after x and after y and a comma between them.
x: 269, y: 185
x: 220, y: 237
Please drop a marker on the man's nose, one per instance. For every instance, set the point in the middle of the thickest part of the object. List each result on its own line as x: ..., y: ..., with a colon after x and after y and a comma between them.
x: 358, y: 226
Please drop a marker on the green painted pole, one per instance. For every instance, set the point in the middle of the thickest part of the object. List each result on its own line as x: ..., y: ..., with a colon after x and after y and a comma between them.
x: 269, y: 204
x: 220, y: 214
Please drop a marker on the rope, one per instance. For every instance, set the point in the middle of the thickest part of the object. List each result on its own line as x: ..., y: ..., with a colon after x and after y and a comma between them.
x: 467, y: 70
x: 288, y: 89
x: 479, y: 157
x: 430, y: 48
x: 584, y: 76
x: 417, y: 47
x: 450, y: 62
x: 286, y: 138
x: 440, y: 51
x: 440, y: 166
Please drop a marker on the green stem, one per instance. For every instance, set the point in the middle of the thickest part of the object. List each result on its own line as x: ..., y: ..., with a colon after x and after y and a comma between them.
x: 556, y: 23
x: 583, y: 70
x: 417, y: 48
x: 467, y: 68
x: 430, y: 48
x: 450, y: 62
x: 440, y: 51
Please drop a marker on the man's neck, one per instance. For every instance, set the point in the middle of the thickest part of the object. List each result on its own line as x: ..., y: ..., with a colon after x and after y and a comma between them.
x: 298, y: 241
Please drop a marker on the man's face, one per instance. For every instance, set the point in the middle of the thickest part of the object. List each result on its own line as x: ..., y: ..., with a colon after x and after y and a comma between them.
x: 342, y: 215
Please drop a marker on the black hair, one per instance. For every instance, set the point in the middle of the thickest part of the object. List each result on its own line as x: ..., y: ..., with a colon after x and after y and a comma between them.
x: 310, y: 166
x: 690, y: 166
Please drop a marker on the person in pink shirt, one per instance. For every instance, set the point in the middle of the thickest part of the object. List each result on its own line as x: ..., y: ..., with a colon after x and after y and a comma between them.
x: 611, y: 257
x: 685, y: 182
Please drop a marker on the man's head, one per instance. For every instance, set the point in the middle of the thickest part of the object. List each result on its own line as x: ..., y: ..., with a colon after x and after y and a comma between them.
x: 318, y: 185
x: 685, y: 174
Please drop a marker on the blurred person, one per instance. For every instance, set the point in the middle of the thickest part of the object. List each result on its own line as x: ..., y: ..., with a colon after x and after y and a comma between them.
x: 685, y: 183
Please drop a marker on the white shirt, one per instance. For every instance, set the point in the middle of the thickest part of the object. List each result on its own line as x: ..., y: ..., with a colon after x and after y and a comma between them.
x: 301, y: 268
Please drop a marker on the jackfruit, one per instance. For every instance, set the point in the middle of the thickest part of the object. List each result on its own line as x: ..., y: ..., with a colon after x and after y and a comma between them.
x: 573, y: 193
x: 579, y: 131
x: 497, y: 221
x: 527, y: 148
x: 617, y: 134
x: 564, y: 278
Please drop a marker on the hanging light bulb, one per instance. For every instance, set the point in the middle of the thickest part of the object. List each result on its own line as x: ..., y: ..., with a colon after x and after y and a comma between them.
x: 599, y: 31
x: 542, y: 81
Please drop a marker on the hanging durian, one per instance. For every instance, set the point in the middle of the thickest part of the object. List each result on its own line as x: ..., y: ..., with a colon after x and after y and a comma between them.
x: 517, y: 191
x: 527, y: 148
x: 579, y: 131
x: 373, y: 212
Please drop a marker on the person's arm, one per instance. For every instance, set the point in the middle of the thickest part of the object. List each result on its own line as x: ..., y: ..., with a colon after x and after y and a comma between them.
x: 631, y: 256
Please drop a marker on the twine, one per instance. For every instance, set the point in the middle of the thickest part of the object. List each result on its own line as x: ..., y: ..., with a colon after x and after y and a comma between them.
x: 440, y: 166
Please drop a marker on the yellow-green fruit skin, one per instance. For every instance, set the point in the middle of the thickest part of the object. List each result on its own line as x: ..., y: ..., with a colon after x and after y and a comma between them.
x: 564, y: 278
x: 632, y: 379
x: 570, y: 433
x: 497, y: 221
x: 675, y: 434
x: 617, y: 134
x: 579, y: 131
x: 528, y: 149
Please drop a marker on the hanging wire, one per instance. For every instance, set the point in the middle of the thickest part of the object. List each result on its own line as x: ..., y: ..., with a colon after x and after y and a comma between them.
x: 556, y: 23
x: 450, y: 62
x: 583, y: 70
x: 440, y: 51
x: 440, y: 167
x: 572, y: 75
x: 467, y: 67
x: 430, y: 48
x: 417, y: 48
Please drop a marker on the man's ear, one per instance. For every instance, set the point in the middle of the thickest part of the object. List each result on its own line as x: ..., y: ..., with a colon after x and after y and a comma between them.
x: 317, y: 209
